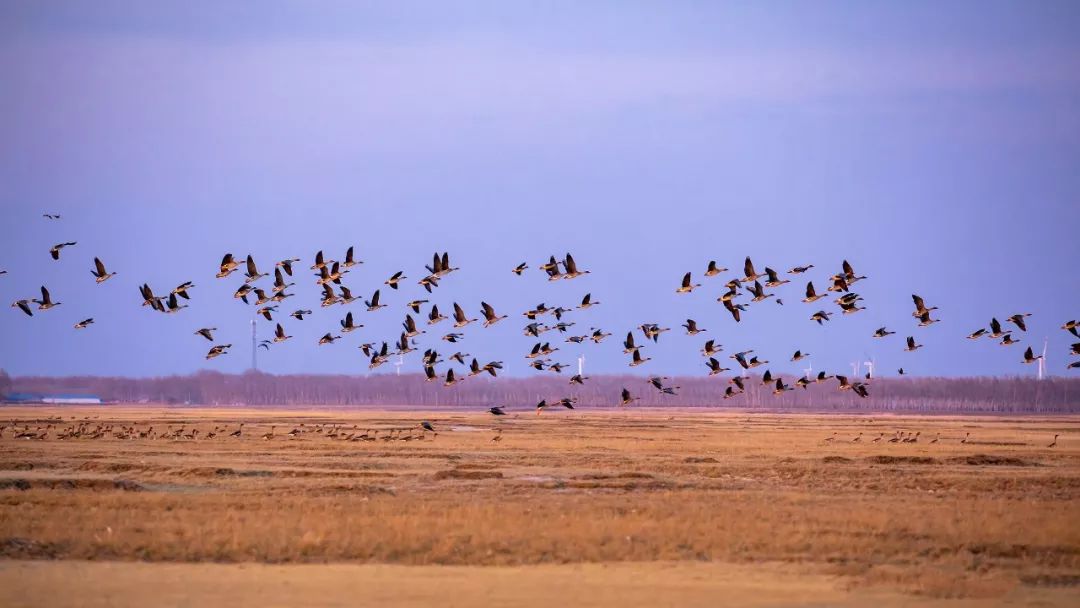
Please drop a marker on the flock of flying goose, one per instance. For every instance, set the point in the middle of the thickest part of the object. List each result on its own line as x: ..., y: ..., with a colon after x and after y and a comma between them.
x: 329, y: 274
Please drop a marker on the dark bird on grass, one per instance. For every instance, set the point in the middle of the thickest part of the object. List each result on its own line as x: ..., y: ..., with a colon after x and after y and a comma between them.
x: 1030, y: 357
x: 279, y: 334
x: 496, y: 411
x: 520, y: 268
x: 881, y: 332
x: 1054, y: 442
x: 627, y: 398
x: 691, y: 328
x: 216, y: 351
x: 347, y: 324
x: 800, y: 269
x: 84, y: 324
x: 686, y: 286
x: 714, y: 367
x: 460, y: 320
x: 206, y: 333
x: 100, y: 274
x: 490, y: 318
x: 45, y: 303
x: 911, y: 345
x: 299, y: 314
x: 713, y: 269
x: 373, y: 303
x: 1018, y: 320
x: 774, y: 279
x: 395, y: 279
x: 759, y: 292
x: 252, y: 273
x: 228, y: 266
x: 23, y: 305
x: 55, y: 251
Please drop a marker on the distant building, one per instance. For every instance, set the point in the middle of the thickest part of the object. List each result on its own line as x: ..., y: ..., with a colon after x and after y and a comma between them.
x: 53, y: 399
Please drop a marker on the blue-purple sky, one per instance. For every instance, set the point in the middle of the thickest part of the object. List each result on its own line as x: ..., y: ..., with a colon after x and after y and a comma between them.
x: 936, y: 145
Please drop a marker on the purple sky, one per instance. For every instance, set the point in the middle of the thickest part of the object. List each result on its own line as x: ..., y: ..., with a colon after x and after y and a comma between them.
x: 932, y: 144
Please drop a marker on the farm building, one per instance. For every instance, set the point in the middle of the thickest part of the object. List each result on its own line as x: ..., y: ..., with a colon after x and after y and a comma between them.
x: 53, y: 399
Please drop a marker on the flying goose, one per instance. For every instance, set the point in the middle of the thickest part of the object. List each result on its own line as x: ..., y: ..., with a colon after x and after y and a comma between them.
x: 578, y: 379
x: 686, y: 286
x: 23, y: 305
x: 218, y: 350
x: 349, y: 260
x: 403, y: 346
x: 428, y: 282
x: 228, y: 266
x: 767, y: 378
x: 206, y: 333
x: 51, y: 216
x: 1030, y: 357
x: 572, y: 271
x: 800, y: 269
x: 714, y: 366
x: 1072, y: 327
x: 87, y: 322
x: 691, y: 328
x: 637, y: 359
x: 460, y: 320
x: 490, y: 318
x: 731, y: 293
x: 395, y: 279
x: 799, y: 355
x: 252, y: 273
x: 713, y: 269
x: 496, y: 411
x: 820, y: 316
x: 658, y: 383
x: 279, y: 281
x: 774, y: 279
x: 520, y: 268
x: 450, y: 380
x: 821, y: 377
x: 598, y: 335
x: 626, y: 397
x: 453, y: 338
x: 781, y: 388
x: 748, y: 271
x: 328, y: 339
x: 976, y: 334
x: 587, y: 302
x: 652, y: 330
x: 286, y: 265
x: 733, y: 309
x: 415, y: 305
x: 920, y: 306
x: 730, y: 392
x: 849, y: 308
x: 299, y: 314
x: 551, y: 264
x: 347, y: 324
x: 1018, y: 320
x: 99, y: 272
x: 267, y: 312
x: 409, y: 324
x: 55, y: 251
x: 1008, y: 340
x: 260, y: 297
x: 45, y: 303
x: 346, y: 296
x: 811, y: 294
x: 759, y: 292
x: 279, y: 334
x: 710, y: 348
x: 434, y: 316
x: 838, y: 284
x: 373, y: 304
x: 924, y: 319
x: 881, y: 332
x: 911, y: 345
x: 320, y: 261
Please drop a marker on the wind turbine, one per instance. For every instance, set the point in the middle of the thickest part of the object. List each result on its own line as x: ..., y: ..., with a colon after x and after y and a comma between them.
x: 397, y: 364
x: 581, y: 365
x: 1042, y: 360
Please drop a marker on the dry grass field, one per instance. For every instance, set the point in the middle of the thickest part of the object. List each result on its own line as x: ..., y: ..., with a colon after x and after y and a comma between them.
x: 625, y: 507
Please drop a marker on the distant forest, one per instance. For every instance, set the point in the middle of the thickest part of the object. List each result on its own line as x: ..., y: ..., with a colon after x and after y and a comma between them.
x: 966, y: 395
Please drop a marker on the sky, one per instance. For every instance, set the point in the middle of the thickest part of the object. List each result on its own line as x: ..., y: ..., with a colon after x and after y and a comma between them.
x: 934, y: 145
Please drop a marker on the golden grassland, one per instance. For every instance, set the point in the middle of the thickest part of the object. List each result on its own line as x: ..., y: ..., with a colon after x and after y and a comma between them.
x: 765, y: 503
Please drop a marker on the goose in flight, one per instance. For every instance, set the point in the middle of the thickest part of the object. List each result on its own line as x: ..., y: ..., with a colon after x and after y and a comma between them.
x: 350, y: 261
x: 652, y: 330
x: 687, y: 286
x: 578, y: 379
x: 320, y: 261
x: 51, y: 216
x: 714, y: 366
x: 23, y: 305
x: 850, y: 308
x: 800, y: 269
x: 691, y: 328
x: 286, y: 265
x: 299, y: 314
x: 182, y: 289
x: 149, y: 299
x: 347, y: 324
x: 781, y: 388
x: 252, y: 273
x: 849, y: 274
x: 172, y: 305
x: 1072, y: 327
x: 995, y: 329
x: 799, y: 356
x: 279, y: 281
x: 1007, y: 340
x: 460, y: 320
x: 415, y: 305
x: 346, y: 296
x: 490, y: 318
x: 925, y: 320
x: 713, y: 269
x: 260, y: 297
x: 55, y: 251
x: 881, y: 332
x: 409, y: 324
x: 45, y: 303
x: 216, y: 351
x: 920, y: 306
x: 395, y: 279
x: 328, y: 339
x: 1030, y: 357
x: 428, y: 282
x: 774, y: 279
x: 820, y: 316
x: 520, y: 268
x: 731, y: 293
x: 228, y: 266
x: 598, y: 335
x: 100, y: 274
x: 911, y: 345
x: 206, y: 332
x: 1018, y: 320
x: 88, y: 322
x: 749, y: 272
x: 637, y: 359
x: 453, y: 338
x: 450, y: 379
x: 572, y: 271
x: 434, y: 316
x: 403, y: 346
x: 626, y: 398
x: 658, y: 383
x: 373, y: 303
x: 711, y: 349
x: 976, y: 334
x: 759, y: 292
x: 839, y: 284
x: 587, y: 302
x: 733, y: 309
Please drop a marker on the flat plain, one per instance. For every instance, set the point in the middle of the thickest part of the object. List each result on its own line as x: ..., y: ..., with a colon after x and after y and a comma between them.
x: 620, y: 507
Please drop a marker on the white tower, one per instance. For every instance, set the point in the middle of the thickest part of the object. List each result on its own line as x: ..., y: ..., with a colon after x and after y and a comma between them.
x: 581, y: 365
